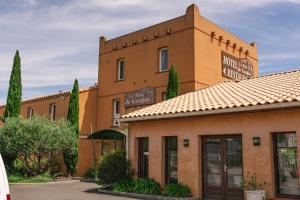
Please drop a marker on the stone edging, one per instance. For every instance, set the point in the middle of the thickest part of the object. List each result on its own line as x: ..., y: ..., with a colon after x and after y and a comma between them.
x: 46, y: 183
x: 142, y: 196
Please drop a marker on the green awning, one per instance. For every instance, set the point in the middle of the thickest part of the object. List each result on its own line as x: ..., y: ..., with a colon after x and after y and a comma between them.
x: 108, y: 134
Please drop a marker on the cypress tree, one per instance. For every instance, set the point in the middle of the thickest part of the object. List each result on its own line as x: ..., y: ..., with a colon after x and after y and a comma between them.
x: 13, y: 102
x: 14, y: 95
x: 173, y: 84
x: 71, y: 155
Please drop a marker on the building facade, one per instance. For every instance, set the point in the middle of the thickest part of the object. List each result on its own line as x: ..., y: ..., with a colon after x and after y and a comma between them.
x: 133, y: 74
x: 215, y: 138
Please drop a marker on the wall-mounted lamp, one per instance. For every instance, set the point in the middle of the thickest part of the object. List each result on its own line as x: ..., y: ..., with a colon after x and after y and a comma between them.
x: 256, y: 141
x: 186, y: 142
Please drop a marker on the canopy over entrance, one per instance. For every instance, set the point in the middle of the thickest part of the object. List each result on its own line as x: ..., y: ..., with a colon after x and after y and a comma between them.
x: 108, y: 134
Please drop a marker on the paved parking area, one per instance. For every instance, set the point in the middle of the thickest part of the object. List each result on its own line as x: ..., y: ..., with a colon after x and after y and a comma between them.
x: 59, y: 191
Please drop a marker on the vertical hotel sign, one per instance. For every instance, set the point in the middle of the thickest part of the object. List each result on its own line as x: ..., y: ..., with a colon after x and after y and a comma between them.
x: 236, y: 68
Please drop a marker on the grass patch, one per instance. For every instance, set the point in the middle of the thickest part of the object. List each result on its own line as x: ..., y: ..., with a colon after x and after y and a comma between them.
x: 36, y: 179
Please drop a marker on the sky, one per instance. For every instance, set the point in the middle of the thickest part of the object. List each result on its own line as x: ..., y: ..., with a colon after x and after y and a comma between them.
x: 58, y: 39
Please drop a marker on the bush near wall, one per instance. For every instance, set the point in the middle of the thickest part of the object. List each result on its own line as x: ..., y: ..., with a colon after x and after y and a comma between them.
x: 114, y: 167
x: 177, y: 190
x: 151, y: 187
x: 139, y: 186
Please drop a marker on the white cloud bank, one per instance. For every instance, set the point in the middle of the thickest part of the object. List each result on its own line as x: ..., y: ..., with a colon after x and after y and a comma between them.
x: 58, y: 40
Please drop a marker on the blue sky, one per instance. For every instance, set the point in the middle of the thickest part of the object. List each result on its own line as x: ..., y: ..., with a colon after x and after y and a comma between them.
x: 58, y: 39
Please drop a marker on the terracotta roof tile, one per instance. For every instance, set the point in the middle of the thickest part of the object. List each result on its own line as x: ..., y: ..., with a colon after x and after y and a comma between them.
x: 269, y: 89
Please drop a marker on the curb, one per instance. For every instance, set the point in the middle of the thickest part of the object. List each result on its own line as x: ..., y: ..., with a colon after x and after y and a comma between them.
x: 47, y: 183
x: 142, y: 196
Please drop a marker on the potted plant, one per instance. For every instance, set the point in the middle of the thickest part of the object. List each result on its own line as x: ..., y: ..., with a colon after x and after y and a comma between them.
x: 253, y: 190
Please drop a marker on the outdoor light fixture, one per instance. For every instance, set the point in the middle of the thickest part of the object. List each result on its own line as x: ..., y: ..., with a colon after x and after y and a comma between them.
x: 186, y: 142
x: 256, y: 141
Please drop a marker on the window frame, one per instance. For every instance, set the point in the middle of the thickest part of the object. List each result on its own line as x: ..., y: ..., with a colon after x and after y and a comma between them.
x: 160, y: 59
x: 275, y: 167
x: 119, y: 61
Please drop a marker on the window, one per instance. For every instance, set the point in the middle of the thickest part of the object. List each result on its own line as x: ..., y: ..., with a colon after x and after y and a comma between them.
x: 52, y: 112
x: 171, y: 159
x: 286, y: 165
x: 163, y: 59
x: 164, y: 96
x: 121, y: 69
x: 116, y: 112
x: 29, y: 113
x: 143, y: 157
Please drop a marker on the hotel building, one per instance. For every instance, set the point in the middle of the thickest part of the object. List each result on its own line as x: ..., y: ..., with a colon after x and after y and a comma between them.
x: 227, y: 121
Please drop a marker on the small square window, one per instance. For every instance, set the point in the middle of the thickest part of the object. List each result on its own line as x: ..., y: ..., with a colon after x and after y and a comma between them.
x: 121, y: 69
x: 163, y: 59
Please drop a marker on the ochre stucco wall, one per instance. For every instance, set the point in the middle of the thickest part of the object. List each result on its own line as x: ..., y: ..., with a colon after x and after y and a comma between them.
x: 256, y: 159
x: 195, y: 55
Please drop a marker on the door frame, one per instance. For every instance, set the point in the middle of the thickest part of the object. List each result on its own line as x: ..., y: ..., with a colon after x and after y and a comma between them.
x: 223, y: 153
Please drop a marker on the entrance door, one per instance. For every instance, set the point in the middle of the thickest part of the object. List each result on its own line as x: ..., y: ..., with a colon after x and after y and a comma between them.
x: 222, y: 167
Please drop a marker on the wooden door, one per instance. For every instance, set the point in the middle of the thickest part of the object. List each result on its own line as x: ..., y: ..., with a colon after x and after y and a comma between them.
x: 223, y: 167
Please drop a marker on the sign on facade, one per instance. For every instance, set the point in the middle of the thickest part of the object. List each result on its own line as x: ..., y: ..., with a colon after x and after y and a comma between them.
x: 236, y: 68
x: 139, y: 98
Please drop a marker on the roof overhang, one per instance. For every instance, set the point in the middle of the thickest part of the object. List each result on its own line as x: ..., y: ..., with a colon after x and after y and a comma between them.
x: 108, y: 134
x: 235, y: 110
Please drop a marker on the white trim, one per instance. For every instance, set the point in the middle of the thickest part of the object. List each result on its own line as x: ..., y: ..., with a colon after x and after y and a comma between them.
x: 215, y: 112
x: 160, y: 63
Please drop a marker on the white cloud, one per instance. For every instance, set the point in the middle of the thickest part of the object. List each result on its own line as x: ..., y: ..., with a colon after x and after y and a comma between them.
x: 59, y: 41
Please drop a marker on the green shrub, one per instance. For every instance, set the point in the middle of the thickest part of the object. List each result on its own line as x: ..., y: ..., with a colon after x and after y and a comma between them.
x: 140, y: 186
x: 90, y: 173
x: 177, y: 190
x: 35, y: 141
x: 114, y: 167
x: 146, y: 186
x: 125, y: 185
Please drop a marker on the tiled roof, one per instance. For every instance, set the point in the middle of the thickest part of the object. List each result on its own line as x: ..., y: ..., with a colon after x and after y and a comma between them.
x: 255, y: 93
x: 61, y: 93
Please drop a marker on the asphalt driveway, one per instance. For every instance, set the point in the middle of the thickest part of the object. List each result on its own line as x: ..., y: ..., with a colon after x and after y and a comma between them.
x: 59, y: 191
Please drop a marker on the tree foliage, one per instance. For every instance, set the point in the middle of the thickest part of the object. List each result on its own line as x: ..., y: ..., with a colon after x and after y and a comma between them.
x: 71, y: 155
x: 173, y: 84
x: 14, y: 95
x: 35, y: 141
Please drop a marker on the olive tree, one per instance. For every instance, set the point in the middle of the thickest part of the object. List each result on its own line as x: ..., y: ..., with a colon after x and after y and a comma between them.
x: 35, y: 141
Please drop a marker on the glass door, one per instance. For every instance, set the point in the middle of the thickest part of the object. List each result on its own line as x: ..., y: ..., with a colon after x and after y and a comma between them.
x: 171, y: 159
x: 222, y: 167
x: 286, y: 165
